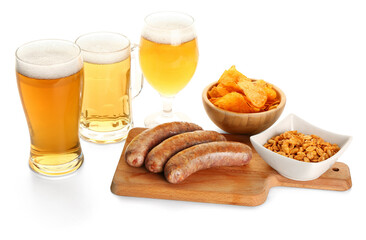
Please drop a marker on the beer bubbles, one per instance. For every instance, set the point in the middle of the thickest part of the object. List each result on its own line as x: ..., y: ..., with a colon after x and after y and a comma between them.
x: 48, y: 59
x: 104, y: 47
x: 171, y: 28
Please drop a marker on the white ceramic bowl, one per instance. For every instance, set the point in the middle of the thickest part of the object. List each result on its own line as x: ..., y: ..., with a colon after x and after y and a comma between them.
x: 291, y: 168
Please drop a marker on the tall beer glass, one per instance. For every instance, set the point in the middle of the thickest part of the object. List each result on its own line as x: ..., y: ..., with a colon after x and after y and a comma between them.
x: 50, y: 82
x: 106, y: 111
x: 168, y: 59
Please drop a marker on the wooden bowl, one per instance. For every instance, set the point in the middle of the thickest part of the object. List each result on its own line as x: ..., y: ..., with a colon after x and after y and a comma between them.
x: 242, y: 123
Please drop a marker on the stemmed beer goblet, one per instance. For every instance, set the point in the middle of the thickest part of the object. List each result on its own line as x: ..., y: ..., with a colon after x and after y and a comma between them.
x: 168, y: 59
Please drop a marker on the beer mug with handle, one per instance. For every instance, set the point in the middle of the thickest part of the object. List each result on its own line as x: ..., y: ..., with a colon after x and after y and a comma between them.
x: 50, y: 83
x: 106, y: 115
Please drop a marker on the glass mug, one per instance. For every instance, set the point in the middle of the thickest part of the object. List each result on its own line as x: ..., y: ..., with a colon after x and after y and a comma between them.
x: 106, y: 115
x: 50, y: 82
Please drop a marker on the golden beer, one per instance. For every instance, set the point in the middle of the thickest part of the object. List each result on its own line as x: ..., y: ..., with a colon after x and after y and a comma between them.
x: 168, y: 59
x: 50, y: 90
x: 106, y: 114
x: 168, y: 68
x: 106, y: 104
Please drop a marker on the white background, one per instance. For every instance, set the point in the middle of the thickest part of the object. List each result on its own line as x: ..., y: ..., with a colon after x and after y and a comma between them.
x: 313, y: 50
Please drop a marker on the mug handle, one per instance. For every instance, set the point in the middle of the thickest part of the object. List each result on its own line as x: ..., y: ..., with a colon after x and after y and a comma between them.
x: 137, y: 79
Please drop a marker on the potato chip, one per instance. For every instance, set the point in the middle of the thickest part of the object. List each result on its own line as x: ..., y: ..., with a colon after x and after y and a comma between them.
x: 217, y: 91
x: 271, y: 93
x: 254, y: 93
x: 232, y: 75
x: 235, y: 92
x: 262, y: 83
x: 232, y: 102
x: 271, y: 104
x: 231, y: 87
x: 270, y: 107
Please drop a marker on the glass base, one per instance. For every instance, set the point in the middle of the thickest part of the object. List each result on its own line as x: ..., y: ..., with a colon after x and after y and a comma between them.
x: 56, y: 170
x: 158, y: 118
x: 104, y: 137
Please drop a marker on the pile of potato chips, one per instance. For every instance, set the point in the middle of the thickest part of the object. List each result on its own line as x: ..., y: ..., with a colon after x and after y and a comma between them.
x: 237, y: 93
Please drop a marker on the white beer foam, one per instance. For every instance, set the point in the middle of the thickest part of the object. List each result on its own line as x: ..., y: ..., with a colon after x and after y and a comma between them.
x: 104, y: 47
x: 48, y: 59
x: 169, y: 28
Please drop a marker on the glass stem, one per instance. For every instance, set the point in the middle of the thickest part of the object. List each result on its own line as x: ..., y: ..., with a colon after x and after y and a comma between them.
x: 167, y: 106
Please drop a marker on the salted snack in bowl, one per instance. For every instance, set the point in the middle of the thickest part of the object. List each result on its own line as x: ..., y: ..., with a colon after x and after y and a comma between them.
x: 241, y: 105
x: 299, y: 150
x: 302, y: 147
x: 237, y: 93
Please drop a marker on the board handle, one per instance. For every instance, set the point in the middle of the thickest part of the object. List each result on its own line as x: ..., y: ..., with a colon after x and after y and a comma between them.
x: 337, y: 178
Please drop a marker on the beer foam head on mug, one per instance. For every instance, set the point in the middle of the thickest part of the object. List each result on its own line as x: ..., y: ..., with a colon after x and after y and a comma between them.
x: 48, y: 59
x: 104, y: 48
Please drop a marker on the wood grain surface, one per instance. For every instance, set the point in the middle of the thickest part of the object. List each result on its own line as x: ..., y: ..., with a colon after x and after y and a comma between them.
x: 247, y: 185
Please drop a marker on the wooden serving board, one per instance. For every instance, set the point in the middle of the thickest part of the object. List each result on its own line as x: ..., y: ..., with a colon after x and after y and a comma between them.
x: 247, y: 185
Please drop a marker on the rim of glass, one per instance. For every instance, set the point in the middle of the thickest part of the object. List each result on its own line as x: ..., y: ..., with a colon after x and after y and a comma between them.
x: 104, y: 32
x: 174, y: 12
x: 78, y: 55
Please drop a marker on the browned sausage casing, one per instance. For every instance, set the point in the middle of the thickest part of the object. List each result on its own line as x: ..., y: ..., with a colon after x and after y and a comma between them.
x: 140, y: 145
x: 206, y: 155
x: 159, y: 155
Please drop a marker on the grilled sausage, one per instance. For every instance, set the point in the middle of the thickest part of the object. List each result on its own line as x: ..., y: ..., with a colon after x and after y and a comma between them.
x: 160, y: 154
x: 206, y: 155
x: 140, y: 145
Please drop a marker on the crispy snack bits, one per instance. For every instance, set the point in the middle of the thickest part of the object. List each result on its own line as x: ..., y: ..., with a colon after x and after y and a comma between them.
x: 307, y: 148
x: 237, y: 93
